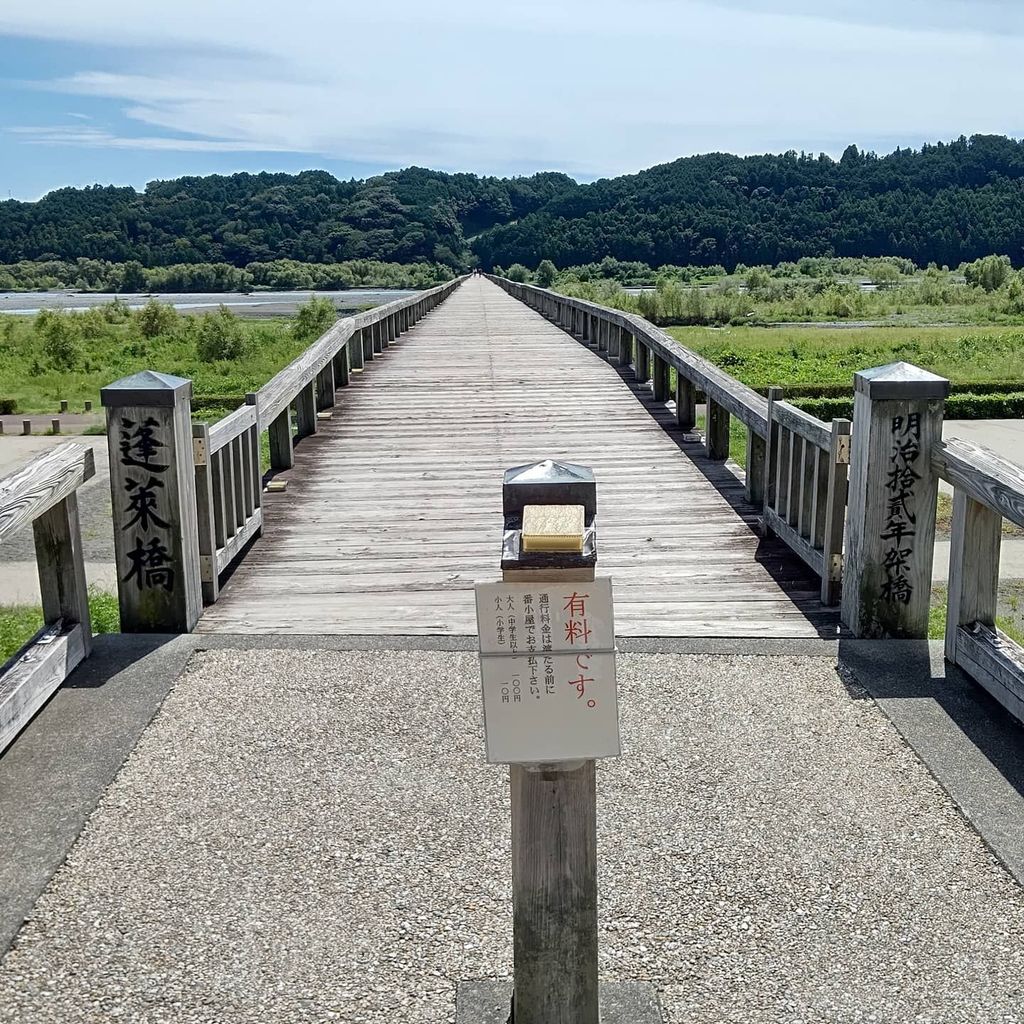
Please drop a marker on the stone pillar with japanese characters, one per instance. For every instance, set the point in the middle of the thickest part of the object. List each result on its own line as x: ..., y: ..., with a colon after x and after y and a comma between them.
x: 890, y: 521
x: 152, y: 487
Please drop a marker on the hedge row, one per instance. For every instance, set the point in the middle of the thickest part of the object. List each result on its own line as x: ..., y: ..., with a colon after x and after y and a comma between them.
x: 958, y: 407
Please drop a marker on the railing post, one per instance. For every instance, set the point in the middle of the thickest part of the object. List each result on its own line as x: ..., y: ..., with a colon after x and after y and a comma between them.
x: 305, y: 410
x: 756, y: 462
x: 660, y: 378
x: 325, y: 386
x: 643, y: 363
x: 152, y: 484
x: 686, y: 403
x: 378, y: 337
x: 341, y: 367
x: 717, y: 431
x: 282, y: 444
x: 626, y: 347
x: 890, y: 524
x: 61, y: 567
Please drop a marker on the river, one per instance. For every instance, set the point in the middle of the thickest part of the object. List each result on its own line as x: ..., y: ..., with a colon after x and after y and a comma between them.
x: 255, y: 304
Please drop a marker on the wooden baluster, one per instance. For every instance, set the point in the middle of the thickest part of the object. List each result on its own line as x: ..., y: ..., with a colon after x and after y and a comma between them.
x: 771, y: 465
x: 782, y: 473
x: 205, y: 516
x: 975, y: 540
x: 754, y: 486
x: 835, y: 512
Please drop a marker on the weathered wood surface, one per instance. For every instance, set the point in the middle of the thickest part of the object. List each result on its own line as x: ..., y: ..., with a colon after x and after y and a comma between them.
x: 983, y: 476
x: 38, y: 670
x: 393, y: 509
x: 45, y: 481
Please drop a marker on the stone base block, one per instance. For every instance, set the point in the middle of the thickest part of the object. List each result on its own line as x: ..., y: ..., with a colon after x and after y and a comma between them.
x: 622, y: 1002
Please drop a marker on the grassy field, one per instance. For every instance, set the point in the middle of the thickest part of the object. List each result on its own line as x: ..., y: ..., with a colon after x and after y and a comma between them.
x: 70, y: 356
x: 763, y: 357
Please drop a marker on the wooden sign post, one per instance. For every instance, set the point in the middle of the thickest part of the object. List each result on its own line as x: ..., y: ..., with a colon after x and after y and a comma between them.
x: 152, y: 487
x: 547, y: 654
x: 890, y: 518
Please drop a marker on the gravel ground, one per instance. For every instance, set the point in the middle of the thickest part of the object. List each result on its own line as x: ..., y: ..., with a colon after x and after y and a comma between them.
x: 313, y: 836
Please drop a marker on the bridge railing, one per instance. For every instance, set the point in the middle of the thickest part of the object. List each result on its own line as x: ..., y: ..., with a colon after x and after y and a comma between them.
x: 45, y: 494
x: 188, y: 497
x: 857, y: 502
x: 800, y: 479
x: 986, y: 490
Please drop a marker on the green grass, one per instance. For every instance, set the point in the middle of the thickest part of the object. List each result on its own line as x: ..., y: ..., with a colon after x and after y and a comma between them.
x: 104, y: 352
x: 1010, y: 620
x: 19, y: 623
x: 762, y: 357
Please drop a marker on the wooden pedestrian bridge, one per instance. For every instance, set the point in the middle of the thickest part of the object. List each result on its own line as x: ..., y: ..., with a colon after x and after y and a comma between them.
x: 381, y: 509
x: 266, y: 798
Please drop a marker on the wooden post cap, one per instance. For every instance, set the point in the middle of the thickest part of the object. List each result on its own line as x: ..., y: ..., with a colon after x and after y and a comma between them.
x: 553, y: 528
x: 900, y: 381
x: 147, y: 388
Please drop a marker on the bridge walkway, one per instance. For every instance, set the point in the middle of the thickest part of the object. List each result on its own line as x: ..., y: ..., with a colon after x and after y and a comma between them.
x: 393, y: 508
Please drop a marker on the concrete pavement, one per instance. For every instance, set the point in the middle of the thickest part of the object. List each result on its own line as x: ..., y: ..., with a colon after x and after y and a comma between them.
x: 310, y: 834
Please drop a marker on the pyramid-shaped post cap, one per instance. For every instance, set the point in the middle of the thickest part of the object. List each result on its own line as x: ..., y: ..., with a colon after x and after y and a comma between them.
x: 900, y: 381
x: 146, y: 388
x: 549, y: 483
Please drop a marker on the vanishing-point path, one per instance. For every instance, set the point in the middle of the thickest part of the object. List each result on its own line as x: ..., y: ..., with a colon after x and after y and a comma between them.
x: 393, y: 509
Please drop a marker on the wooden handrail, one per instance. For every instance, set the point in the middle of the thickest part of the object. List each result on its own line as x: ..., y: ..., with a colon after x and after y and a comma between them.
x: 281, y: 390
x: 29, y: 492
x: 986, y: 489
x: 741, y: 401
x: 44, y: 493
x: 983, y: 476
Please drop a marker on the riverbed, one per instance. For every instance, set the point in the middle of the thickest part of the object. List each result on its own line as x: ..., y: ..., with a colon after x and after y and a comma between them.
x: 254, y: 304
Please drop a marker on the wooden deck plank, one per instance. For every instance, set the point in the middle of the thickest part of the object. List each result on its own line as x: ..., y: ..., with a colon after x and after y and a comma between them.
x: 393, y: 509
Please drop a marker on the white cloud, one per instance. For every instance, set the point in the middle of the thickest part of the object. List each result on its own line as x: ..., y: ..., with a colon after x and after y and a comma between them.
x: 590, y: 86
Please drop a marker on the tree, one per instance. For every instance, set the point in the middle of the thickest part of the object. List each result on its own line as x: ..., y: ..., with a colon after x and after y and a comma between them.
x: 989, y: 273
x: 546, y: 273
x: 517, y: 272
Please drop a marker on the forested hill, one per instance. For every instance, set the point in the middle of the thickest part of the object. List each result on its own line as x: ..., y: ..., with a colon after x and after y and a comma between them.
x: 945, y: 203
x: 402, y: 217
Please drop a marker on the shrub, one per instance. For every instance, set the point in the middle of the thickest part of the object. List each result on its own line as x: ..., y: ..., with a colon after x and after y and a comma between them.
x: 313, y: 318
x: 517, y: 272
x: 7, y: 406
x: 219, y: 336
x: 156, y: 318
x: 546, y: 273
x: 60, y: 338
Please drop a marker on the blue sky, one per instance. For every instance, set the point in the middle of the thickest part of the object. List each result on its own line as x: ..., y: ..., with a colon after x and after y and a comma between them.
x: 118, y: 91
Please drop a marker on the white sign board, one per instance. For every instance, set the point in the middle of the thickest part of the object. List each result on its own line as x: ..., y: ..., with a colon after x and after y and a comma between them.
x: 547, y: 660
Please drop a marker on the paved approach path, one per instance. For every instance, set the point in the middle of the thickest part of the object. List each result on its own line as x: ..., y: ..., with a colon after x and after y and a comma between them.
x: 393, y: 509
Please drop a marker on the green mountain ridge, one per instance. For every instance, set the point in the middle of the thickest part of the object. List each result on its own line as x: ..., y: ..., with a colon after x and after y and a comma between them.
x: 947, y: 203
